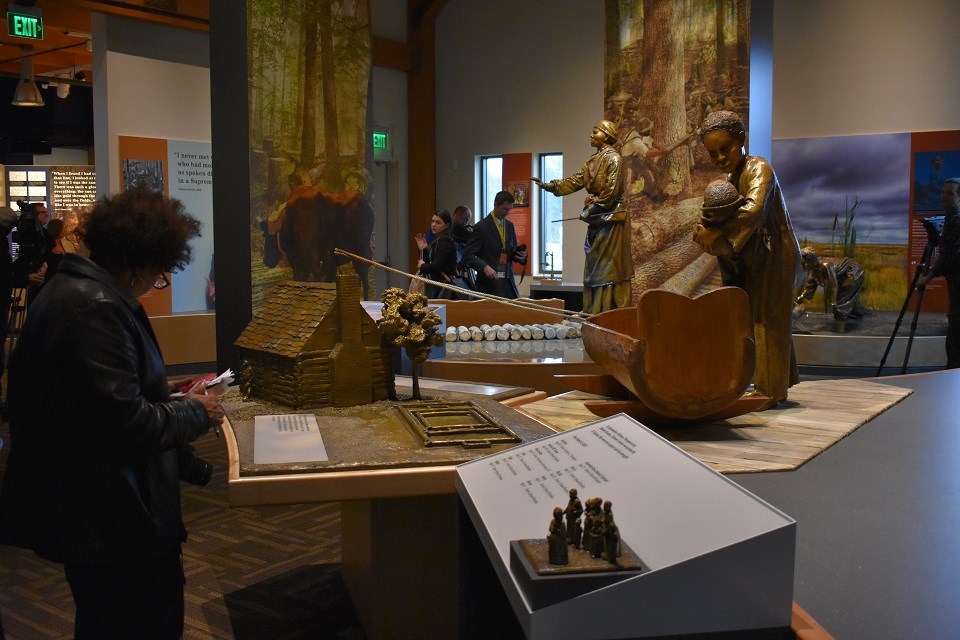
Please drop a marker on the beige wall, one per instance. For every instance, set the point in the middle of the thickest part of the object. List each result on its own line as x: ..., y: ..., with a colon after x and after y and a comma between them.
x: 152, y: 99
x: 149, y: 81
x: 865, y: 66
x: 518, y: 77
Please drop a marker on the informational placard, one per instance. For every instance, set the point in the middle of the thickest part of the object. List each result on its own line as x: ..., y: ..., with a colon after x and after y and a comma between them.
x: 181, y: 169
x: 517, y: 169
x: 616, y: 459
x: 698, y: 532
x: 935, y: 157
x: 191, y: 182
x: 289, y: 438
x: 72, y: 188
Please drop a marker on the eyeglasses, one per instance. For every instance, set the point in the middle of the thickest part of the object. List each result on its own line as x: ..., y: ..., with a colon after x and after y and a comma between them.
x: 162, y: 282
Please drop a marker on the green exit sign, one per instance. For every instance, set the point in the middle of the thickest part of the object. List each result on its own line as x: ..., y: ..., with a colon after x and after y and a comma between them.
x: 382, y: 139
x: 25, y: 25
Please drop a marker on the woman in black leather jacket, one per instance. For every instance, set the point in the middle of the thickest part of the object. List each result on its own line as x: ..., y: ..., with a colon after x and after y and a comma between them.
x: 440, y: 262
x: 92, y: 479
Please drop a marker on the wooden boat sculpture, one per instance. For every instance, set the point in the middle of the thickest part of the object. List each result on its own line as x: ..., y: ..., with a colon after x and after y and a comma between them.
x: 673, y: 359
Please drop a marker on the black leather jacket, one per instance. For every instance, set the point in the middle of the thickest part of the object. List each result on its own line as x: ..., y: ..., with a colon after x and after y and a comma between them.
x: 92, y: 475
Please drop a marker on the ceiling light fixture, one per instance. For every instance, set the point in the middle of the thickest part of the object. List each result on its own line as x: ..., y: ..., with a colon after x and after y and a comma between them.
x: 27, y: 93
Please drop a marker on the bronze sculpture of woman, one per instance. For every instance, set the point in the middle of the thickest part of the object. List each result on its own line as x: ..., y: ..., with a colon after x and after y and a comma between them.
x: 757, y: 251
x: 608, y: 266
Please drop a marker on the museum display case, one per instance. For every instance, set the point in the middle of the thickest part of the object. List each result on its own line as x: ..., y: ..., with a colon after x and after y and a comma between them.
x: 720, y: 559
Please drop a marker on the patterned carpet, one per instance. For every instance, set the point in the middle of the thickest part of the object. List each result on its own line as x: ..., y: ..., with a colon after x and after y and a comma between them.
x: 253, y: 573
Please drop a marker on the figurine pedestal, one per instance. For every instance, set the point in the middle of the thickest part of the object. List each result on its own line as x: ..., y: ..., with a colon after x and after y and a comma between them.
x: 562, y: 583
x: 720, y: 559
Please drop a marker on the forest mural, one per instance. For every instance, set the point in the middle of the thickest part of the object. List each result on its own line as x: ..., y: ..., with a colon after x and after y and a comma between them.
x: 669, y: 63
x: 309, y: 69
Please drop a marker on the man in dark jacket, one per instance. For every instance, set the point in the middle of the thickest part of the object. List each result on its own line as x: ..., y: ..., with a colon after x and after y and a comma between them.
x: 9, y: 279
x: 947, y: 266
x: 492, y: 248
x: 12, y: 276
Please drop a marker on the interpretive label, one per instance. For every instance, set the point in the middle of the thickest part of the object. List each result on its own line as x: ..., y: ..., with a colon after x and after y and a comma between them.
x: 548, y: 471
x: 670, y: 506
x: 72, y: 187
x: 287, y: 438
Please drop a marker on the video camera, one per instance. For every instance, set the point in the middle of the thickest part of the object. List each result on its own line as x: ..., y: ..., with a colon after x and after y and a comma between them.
x: 933, y: 226
x: 29, y: 237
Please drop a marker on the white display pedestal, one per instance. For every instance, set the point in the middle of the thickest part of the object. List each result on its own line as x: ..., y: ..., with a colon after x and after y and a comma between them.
x: 721, y: 559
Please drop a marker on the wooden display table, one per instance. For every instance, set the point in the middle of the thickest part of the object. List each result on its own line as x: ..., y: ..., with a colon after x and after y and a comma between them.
x: 398, y: 521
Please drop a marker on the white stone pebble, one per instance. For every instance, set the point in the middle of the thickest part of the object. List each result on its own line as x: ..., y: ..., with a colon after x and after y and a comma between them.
x: 510, y: 331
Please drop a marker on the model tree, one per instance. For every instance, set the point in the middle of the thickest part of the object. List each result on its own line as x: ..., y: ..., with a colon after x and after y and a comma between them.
x: 408, y: 323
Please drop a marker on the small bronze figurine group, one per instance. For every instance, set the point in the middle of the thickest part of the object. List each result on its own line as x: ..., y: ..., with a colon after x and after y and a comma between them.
x: 597, y: 534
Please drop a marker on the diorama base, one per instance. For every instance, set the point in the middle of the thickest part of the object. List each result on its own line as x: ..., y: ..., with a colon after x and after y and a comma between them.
x: 544, y: 584
x: 579, y: 560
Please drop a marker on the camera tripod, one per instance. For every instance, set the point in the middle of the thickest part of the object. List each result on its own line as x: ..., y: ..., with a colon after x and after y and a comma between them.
x: 15, y: 317
x: 922, y: 268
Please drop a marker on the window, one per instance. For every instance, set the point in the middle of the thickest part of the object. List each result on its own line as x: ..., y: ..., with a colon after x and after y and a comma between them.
x: 491, y: 182
x: 550, y: 252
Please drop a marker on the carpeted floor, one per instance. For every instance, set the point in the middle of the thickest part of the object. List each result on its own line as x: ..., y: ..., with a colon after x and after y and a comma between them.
x: 253, y: 573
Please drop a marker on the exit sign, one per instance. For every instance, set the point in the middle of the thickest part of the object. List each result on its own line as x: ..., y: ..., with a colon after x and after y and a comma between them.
x: 382, y: 139
x: 23, y: 23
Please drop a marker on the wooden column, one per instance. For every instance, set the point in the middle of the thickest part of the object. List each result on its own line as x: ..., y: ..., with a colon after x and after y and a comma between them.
x: 421, y: 118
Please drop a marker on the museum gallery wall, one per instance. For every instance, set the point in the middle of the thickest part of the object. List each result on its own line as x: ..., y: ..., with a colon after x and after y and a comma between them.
x: 310, y: 187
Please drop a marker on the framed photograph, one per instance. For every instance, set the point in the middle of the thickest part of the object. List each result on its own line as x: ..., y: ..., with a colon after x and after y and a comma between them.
x: 148, y: 173
x: 520, y: 192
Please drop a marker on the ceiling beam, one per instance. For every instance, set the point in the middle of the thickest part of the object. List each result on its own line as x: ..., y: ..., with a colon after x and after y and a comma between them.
x: 192, y: 14
x: 392, y: 54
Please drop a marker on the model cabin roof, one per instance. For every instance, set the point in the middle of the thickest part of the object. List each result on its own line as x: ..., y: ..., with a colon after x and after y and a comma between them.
x: 289, y: 318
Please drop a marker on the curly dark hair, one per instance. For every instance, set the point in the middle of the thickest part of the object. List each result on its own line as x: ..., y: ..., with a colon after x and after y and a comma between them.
x: 722, y: 120
x: 139, y: 228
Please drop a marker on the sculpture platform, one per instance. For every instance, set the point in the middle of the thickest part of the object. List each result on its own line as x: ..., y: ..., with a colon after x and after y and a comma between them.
x: 816, y: 415
x: 856, y: 347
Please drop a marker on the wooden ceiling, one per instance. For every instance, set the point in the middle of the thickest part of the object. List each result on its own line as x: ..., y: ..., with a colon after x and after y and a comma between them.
x: 66, y: 25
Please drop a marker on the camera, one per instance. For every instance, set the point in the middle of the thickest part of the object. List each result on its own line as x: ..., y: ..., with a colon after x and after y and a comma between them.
x: 28, y: 234
x: 193, y: 469
x: 933, y: 226
x: 520, y: 248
